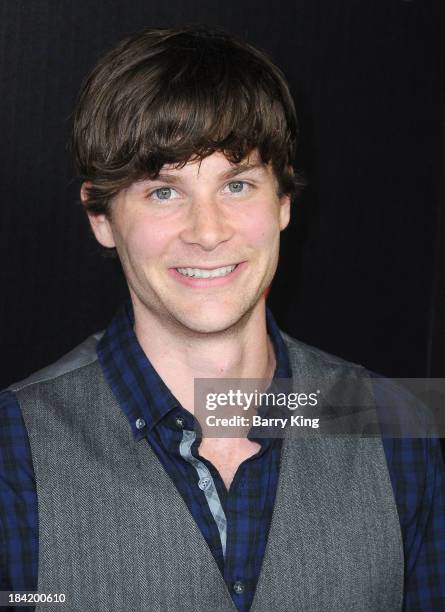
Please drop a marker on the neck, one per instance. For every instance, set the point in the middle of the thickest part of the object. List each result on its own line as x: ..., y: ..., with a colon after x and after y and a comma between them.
x: 244, y: 351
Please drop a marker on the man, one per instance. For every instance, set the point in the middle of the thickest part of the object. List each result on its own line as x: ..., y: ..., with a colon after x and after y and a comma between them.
x: 110, y: 494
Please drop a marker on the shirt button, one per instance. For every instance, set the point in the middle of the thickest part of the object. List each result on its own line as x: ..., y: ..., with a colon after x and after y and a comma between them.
x: 179, y: 420
x: 238, y: 587
x: 140, y: 423
x: 205, y: 483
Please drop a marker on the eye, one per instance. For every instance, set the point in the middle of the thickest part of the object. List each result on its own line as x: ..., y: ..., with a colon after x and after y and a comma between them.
x: 163, y: 193
x: 237, y: 186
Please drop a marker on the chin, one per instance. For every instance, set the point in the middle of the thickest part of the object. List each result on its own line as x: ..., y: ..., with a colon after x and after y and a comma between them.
x: 207, y: 326
x: 211, y: 319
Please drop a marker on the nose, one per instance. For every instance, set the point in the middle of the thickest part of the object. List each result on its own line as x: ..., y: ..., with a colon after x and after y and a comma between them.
x: 207, y: 225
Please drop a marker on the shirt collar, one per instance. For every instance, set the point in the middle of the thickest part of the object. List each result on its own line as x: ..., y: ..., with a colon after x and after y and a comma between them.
x: 282, y: 368
x: 140, y: 391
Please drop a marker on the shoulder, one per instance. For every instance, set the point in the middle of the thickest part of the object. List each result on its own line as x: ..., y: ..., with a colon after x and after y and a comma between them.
x: 14, y: 447
x: 401, y: 410
x: 307, y: 359
x: 82, y: 355
x: 391, y: 396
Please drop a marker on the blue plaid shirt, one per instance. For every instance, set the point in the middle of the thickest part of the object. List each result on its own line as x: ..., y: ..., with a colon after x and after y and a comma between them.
x: 415, y: 468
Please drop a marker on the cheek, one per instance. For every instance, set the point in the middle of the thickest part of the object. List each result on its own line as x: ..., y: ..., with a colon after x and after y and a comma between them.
x: 143, y: 241
x: 262, y: 229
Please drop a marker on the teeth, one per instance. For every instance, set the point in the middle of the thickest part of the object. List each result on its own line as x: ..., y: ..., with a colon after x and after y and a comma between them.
x: 198, y: 273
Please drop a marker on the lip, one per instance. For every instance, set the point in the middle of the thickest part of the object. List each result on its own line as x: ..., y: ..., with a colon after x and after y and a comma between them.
x: 204, y: 283
x: 214, y: 267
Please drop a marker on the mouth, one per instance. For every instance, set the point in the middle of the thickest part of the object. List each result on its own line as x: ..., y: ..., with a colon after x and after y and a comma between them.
x: 205, y: 278
x: 219, y: 272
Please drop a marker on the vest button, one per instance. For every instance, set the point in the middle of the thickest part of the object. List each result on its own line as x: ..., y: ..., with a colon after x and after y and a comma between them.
x: 238, y: 587
x: 140, y: 423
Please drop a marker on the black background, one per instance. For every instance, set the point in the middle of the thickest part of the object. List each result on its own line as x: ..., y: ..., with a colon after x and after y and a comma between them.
x: 362, y: 264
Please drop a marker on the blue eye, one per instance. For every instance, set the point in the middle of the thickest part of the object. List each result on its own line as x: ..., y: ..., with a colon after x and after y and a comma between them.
x: 236, y: 186
x: 163, y: 193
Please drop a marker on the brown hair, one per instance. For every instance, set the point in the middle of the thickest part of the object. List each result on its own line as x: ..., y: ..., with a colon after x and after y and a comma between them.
x: 166, y: 96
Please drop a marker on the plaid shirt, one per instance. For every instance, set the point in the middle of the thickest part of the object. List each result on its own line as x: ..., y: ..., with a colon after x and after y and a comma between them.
x: 237, y: 532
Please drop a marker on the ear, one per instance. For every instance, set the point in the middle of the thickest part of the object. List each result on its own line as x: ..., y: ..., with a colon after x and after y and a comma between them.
x: 285, y: 201
x: 100, y: 224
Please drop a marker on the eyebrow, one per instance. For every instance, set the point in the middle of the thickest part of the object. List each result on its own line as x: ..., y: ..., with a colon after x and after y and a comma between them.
x: 235, y: 171
x: 240, y: 168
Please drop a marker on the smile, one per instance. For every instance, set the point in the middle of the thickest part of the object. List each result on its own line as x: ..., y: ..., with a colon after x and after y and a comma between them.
x: 202, y: 273
x: 208, y: 278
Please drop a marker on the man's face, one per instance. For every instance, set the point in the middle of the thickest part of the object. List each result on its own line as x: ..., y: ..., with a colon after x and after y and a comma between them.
x: 210, y: 217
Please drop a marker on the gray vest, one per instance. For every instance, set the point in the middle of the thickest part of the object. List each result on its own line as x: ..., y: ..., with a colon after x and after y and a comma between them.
x: 115, y: 534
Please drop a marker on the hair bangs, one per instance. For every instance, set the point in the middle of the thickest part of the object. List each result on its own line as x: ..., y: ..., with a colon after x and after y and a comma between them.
x: 204, y: 110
